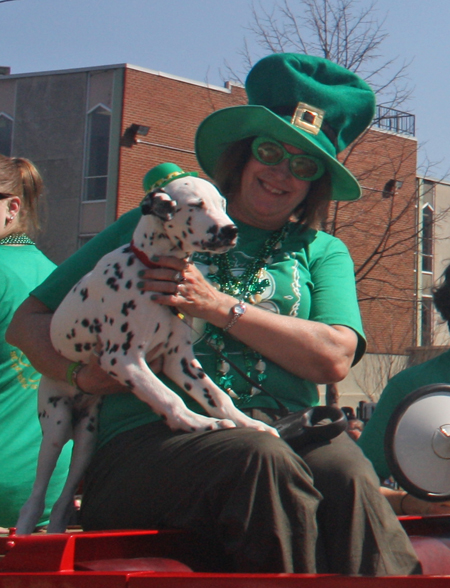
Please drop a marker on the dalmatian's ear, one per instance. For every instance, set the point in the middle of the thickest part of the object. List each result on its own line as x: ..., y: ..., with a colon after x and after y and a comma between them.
x: 159, y: 204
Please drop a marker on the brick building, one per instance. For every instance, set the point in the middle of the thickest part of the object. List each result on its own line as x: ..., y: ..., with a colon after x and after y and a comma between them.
x: 95, y: 132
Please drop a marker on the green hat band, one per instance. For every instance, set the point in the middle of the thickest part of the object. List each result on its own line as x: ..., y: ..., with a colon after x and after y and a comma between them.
x: 163, y: 174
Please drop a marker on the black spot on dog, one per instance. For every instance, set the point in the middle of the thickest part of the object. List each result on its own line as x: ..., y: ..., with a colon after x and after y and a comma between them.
x: 207, y: 395
x: 53, y: 400
x: 130, y: 260
x: 91, y: 428
x: 187, y: 386
x: 113, y: 361
x: 78, y: 347
x: 118, y: 270
x: 85, y: 322
x: 87, y: 346
x: 114, y: 348
x: 129, y: 285
x: 127, y: 306
x: 129, y: 384
x: 84, y: 293
x: 113, y: 374
x: 175, y: 350
x: 127, y: 249
x: 112, y: 283
x: 126, y: 346
x: 157, y: 327
x: 186, y: 370
x: 124, y: 327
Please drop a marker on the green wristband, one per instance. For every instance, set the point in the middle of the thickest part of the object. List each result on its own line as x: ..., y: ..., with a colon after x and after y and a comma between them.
x: 69, y: 374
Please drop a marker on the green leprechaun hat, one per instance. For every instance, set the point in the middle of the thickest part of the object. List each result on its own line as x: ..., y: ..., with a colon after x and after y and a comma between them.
x: 162, y: 174
x: 305, y: 101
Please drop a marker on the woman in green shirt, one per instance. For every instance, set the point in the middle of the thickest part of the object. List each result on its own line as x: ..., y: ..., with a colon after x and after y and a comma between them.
x: 269, y: 509
x: 22, y: 268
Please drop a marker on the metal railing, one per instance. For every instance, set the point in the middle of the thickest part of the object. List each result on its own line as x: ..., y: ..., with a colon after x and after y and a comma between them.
x: 396, y: 121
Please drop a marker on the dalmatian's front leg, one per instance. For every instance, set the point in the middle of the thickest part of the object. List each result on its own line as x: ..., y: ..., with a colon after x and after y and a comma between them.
x: 133, y: 372
x: 186, y: 371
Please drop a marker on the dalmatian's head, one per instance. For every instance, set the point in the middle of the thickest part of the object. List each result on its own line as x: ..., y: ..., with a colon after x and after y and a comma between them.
x: 193, y: 215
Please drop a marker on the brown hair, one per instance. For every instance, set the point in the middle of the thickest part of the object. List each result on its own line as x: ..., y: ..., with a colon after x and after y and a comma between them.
x: 441, y: 297
x: 19, y: 177
x: 312, y: 212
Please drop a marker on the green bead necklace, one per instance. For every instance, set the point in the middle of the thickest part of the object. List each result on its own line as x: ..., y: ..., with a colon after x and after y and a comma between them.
x: 17, y: 239
x: 247, y: 287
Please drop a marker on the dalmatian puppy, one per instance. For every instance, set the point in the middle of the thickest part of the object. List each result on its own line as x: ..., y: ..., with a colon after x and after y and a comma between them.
x: 187, y: 215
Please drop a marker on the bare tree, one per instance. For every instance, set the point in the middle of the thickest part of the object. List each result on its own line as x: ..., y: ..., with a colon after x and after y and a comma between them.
x: 339, y: 30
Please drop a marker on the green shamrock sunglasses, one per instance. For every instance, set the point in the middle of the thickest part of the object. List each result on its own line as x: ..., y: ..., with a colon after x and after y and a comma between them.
x: 304, y: 167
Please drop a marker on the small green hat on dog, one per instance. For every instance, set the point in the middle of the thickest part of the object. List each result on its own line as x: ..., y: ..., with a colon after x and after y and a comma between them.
x: 161, y: 175
x: 305, y: 101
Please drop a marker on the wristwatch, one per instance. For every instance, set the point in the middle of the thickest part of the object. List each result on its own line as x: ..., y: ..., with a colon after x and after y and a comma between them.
x: 236, y: 312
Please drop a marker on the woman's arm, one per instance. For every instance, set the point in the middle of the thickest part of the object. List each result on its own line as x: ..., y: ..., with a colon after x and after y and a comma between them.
x: 315, y: 351
x: 407, y: 504
x: 29, y: 330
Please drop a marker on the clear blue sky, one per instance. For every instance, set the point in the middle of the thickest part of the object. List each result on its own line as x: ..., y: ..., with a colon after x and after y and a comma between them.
x: 193, y: 38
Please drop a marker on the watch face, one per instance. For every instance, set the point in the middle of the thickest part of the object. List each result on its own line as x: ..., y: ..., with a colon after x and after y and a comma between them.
x: 238, y: 309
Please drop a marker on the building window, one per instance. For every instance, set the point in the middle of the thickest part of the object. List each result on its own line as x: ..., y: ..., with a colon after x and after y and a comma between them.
x: 426, y: 321
x: 83, y: 239
x: 97, y: 150
x: 6, y: 127
x: 427, y: 238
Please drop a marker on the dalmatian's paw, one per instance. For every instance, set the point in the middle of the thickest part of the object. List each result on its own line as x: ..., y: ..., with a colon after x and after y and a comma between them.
x: 197, y: 422
x: 245, y: 421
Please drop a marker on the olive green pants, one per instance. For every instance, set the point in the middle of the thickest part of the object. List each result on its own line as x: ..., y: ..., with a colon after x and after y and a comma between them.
x: 267, y: 508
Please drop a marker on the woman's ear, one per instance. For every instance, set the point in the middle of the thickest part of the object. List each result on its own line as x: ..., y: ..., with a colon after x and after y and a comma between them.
x: 14, y: 205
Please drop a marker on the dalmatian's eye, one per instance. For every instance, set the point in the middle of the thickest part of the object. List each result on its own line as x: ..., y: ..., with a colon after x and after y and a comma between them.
x: 223, y: 202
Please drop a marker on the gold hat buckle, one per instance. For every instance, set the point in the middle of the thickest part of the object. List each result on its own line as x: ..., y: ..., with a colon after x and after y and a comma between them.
x: 308, y: 118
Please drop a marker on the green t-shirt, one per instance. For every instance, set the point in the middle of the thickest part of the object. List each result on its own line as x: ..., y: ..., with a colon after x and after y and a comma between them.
x: 21, y: 269
x: 310, y: 277
x: 434, y: 371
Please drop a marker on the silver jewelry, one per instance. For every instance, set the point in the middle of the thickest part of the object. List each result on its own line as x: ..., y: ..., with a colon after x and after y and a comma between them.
x: 178, y: 277
x: 236, y: 311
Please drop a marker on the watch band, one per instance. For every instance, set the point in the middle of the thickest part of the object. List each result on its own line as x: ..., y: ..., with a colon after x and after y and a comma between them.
x: 236, y: 312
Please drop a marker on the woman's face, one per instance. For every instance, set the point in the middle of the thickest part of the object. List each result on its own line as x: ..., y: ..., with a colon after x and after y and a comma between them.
x: 268, y: 193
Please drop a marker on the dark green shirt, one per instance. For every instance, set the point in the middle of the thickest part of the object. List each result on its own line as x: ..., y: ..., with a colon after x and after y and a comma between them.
x: 434, y: 371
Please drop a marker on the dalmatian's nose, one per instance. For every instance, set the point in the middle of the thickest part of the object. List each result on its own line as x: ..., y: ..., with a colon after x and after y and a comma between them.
x: 228, y: 234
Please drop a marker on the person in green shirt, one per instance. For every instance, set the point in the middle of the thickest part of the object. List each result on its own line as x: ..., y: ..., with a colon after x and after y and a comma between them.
x: 22, y: 268
x: 268, y: 508
x: 434, y: 371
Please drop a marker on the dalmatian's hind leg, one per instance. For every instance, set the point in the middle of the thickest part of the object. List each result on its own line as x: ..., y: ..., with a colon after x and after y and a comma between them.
x: 55, y: 416
x: 86, y: 410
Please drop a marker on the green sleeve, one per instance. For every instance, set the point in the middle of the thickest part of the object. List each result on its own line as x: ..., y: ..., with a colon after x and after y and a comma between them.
x: 334, y: 298
x: 54, y: 289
